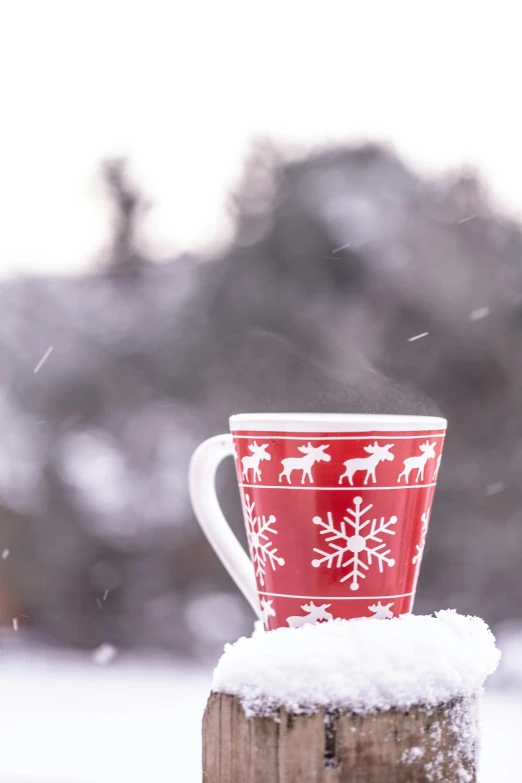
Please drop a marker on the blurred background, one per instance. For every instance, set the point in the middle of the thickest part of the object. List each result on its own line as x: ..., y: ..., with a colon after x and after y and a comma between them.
x: 217, y: 208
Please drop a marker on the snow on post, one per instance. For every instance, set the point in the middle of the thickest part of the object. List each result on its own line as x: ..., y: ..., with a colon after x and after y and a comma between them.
x: 364, y: 701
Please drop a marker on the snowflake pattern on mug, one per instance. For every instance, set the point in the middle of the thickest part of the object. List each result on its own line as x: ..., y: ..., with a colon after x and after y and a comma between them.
x: 262, y: 551
x: 362, y: 549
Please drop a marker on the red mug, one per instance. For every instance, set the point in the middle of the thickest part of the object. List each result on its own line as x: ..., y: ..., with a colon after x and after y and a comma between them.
x: 336, y: 509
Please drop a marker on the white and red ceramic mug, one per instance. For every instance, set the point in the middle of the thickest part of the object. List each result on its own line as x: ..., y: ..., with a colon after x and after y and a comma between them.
x: 336, y: 509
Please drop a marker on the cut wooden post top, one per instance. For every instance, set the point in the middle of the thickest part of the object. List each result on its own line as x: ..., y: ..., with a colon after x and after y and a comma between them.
x: 358, y: 701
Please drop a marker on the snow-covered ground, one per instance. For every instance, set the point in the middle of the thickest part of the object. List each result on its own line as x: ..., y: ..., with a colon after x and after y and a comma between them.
x: 69, y: 720
x: 501, y: 722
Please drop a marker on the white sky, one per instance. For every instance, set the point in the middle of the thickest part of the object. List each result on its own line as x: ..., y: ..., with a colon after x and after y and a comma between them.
x: 181, y: 88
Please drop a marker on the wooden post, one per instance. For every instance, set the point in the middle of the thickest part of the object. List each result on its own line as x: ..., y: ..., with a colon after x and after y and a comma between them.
x: 421, y: 745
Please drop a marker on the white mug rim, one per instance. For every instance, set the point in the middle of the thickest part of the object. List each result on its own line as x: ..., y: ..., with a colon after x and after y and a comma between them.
x: 334, y: 422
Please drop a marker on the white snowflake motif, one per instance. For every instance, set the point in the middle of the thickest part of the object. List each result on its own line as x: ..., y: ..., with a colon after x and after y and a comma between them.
x: 424, y: 530
x: 261, y: 548
x: 355, y: 544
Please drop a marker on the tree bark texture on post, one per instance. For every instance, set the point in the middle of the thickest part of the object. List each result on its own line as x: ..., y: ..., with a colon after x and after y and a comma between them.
x: 420, y: 745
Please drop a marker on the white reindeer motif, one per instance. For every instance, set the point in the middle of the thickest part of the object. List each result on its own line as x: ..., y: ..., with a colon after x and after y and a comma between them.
x: 419, y: 462
x: 313, y: 614
x: 377, y: 454
x: 267, y: 610
x: 252, y: 461
x: 312, y: 454
x: 382, y: 611
x: 437, y: 466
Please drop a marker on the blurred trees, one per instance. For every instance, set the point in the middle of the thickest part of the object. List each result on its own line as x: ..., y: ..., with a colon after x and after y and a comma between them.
x: 338, y: 259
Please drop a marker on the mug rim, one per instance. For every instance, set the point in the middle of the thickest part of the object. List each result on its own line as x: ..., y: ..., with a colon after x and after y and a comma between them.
x: 334, y: 422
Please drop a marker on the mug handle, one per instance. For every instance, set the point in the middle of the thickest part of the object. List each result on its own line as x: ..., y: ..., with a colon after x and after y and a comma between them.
x: 202, y: 488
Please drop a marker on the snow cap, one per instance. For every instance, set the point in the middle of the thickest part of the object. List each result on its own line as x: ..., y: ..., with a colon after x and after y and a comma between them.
x: 362, y: 665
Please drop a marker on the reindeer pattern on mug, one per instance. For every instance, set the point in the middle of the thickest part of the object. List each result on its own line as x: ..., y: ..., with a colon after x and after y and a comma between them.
x: 312, y: 614
x: 252, y: 461
x: 373, y: 464
x: 418, y: 463
x: 312, y: 454
x: 377, y: 454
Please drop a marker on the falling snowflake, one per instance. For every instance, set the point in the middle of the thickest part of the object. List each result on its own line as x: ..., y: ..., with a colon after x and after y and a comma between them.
x: 104, y: 654
x: 352, y: 542
x: 261, y: 548
x: 43, y: 360
x: 424, y: 530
